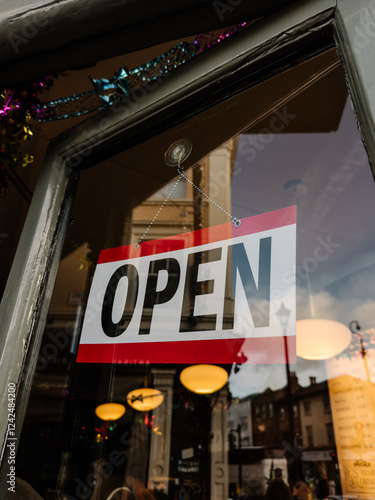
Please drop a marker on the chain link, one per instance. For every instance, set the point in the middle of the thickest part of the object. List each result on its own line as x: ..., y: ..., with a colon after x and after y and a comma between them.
x: 235, y: 221
x: 157, y: 213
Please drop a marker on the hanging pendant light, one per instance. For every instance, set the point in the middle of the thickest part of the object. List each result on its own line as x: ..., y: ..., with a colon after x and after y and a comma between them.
x: 145, y: 399
x: 316, y: 338
x: 204, y: 379
x: 321, y: 338
x: 110, y: 411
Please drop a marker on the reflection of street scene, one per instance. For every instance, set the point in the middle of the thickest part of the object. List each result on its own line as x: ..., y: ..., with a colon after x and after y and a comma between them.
x: 279, y: 426
x: 263, y: 424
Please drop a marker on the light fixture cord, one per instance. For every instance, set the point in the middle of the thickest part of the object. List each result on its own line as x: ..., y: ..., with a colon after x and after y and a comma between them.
x: 157, y: 213
x: 303, y: 245
x: 309, y: 291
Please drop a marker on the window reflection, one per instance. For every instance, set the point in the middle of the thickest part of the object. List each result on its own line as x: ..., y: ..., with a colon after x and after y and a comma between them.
x: 299, y: 421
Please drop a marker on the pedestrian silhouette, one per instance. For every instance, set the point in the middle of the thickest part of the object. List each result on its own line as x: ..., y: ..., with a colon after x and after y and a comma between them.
x: 277, y: 489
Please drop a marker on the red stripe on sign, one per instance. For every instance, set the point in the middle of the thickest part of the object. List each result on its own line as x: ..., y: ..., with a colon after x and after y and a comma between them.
x: 253, y: 350
x: 250, y: 225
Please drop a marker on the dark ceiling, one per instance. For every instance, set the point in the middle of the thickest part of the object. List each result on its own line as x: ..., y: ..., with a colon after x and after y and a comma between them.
x: 318, y: 80
x: 51, y: 37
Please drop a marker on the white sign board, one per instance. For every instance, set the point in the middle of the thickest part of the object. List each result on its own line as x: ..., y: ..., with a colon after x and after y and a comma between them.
x: 210, y: 296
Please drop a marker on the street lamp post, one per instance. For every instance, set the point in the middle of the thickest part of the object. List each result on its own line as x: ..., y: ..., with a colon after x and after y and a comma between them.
x: 283, y: 314
x: 355, y: 329
x: 238, y: 430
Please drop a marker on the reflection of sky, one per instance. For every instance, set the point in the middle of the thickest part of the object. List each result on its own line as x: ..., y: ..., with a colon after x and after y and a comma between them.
x: 253, y: 379
x: 335, y: 236
x: 354, y: 366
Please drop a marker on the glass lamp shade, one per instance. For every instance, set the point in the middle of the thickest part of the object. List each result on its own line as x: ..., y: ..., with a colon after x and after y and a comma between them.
x: 204, y: 379
x: 110, y: 411
x: 321, y: 338
x: 145, y: 399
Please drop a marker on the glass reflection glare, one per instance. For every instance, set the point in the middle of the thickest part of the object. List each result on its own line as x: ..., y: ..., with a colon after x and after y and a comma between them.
x: 145, y: 399
x: 321, y: 338
x: 110, y: 411
x: 204, y: 379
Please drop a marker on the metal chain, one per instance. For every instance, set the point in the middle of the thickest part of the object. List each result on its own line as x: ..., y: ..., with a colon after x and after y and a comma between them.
x: 157, y: 213
x: 235, y: 221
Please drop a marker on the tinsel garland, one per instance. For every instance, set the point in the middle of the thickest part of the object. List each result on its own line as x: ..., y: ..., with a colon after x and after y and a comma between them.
x: 126, y: 81
x: 105, y: 91
x: 18, y: 107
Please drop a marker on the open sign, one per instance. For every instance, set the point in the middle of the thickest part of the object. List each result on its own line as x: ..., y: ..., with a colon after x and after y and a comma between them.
x: 208, y: 296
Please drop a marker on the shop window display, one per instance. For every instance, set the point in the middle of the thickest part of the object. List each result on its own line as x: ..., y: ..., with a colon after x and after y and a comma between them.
x: 289, y: 142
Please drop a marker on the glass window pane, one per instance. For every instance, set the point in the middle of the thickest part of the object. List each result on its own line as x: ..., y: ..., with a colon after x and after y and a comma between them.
x: 307, y: 424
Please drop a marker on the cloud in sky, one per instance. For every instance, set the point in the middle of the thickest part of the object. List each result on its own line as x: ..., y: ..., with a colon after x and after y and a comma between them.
x: 252, y: 379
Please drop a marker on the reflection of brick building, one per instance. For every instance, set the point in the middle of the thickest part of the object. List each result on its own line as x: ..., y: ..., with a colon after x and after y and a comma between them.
x: 311, y: 416
x: 270, y: 415
x: 315, y: 415
x: 313, y: 441
x: 239, y: 419
x: 317, y: 442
